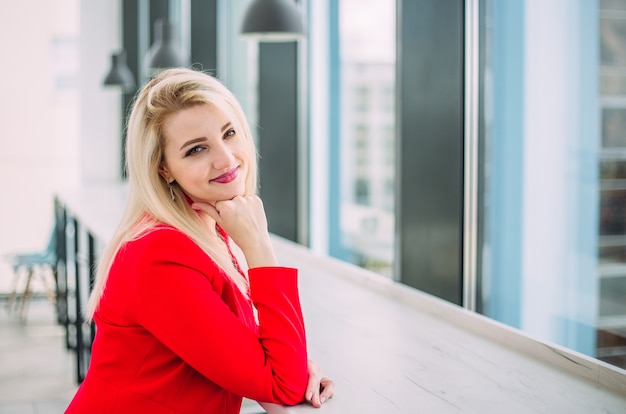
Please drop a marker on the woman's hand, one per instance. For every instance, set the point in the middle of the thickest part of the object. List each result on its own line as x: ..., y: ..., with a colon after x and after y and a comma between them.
x: 243, y: 219
x: 320, y: 388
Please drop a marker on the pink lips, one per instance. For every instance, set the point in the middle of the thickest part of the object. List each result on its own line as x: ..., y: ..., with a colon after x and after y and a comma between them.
x: 227, y: 177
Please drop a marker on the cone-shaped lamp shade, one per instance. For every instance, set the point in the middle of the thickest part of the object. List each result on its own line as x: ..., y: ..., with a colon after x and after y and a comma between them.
x: 164, y: 52
x: 273, y: 21
x: 120, y: 73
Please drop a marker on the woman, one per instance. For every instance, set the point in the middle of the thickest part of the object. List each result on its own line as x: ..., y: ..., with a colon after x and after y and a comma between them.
x: 180, y: 328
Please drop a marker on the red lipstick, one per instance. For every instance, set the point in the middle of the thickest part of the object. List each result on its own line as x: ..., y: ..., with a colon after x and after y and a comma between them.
x: 227, y: 177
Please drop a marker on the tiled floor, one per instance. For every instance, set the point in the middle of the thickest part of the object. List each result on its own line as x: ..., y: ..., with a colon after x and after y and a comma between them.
x: 36, y: 370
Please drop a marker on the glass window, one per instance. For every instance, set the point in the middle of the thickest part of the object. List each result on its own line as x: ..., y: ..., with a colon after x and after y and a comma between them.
x: 362, y: 120
x: 553, y: 172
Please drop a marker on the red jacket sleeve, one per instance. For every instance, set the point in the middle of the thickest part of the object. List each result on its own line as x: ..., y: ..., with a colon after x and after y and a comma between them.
x: 177, y: 303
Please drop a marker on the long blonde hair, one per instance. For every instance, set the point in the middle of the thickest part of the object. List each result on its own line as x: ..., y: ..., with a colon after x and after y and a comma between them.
x: 149, y: 201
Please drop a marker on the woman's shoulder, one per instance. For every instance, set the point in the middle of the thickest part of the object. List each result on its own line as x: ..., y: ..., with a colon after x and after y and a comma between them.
x: 159, y: 240
x: 161, y: 232
x: 161, y: 248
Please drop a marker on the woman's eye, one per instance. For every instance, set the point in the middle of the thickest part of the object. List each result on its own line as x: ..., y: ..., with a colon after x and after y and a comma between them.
x: 194, y: 150
x: 229, y: 133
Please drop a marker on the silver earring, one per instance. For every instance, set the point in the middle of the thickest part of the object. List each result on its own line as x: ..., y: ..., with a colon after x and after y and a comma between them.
x: 172, y: 196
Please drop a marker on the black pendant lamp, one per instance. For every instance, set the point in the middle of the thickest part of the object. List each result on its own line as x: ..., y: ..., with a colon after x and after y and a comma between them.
x: 164, y: 52
x: 120, y: 74
x: 273, y: 21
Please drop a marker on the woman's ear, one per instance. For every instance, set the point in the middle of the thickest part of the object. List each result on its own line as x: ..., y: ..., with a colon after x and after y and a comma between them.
x: 165, y: 173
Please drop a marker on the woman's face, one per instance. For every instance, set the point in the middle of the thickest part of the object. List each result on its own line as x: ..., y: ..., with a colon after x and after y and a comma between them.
x: 204, y: 154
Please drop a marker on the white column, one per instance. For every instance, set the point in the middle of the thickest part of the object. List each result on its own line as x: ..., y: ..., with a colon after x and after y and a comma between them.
x: 101, y: 122
x: 550, y: 112
x: 318, y: 125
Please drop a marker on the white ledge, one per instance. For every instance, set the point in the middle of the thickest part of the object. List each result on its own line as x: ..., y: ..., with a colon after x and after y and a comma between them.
x: 393, y: 349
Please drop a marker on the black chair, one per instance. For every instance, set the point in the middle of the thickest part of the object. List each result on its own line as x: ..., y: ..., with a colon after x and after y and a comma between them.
x: 30, y: 266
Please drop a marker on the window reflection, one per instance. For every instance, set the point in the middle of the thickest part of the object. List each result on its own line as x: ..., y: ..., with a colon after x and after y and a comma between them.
x: 613, y: 212
x: 612, y: 47
x: 614, y: 128
x: 611, y: 333
x: 554, y: 172
x: 365, y: 136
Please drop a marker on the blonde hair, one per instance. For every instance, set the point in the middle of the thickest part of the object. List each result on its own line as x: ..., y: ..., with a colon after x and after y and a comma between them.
x: 149, y: 201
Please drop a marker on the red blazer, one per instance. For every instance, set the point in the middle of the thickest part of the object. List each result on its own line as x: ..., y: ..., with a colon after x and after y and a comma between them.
x: 174, y: 335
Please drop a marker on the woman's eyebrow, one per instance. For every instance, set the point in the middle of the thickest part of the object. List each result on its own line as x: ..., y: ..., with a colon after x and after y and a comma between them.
x: 193, y: 141
x: 200, y: 139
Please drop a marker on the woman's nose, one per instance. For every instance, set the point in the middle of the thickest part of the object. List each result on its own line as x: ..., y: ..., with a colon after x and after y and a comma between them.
x: 222, y: 156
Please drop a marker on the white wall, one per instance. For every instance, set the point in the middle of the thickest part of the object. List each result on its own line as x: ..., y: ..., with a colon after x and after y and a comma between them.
x: 53, y: 137
x: 38, y: 121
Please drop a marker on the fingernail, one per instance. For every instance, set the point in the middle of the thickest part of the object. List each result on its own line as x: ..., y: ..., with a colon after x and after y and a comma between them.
x: 322, y: 400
